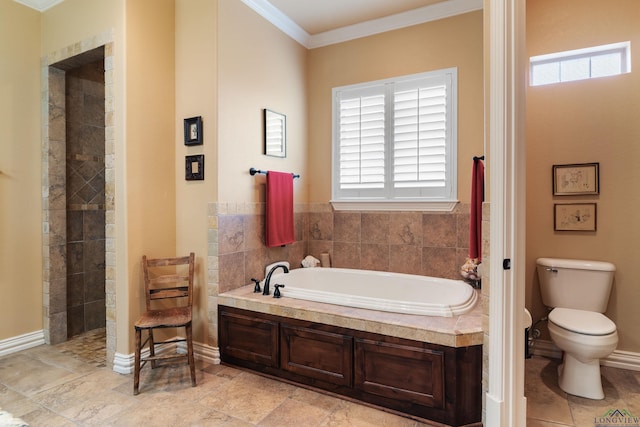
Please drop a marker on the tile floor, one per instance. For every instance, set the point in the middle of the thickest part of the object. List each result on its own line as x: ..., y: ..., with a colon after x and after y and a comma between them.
x: 69, y: 385
x: 549, y: 406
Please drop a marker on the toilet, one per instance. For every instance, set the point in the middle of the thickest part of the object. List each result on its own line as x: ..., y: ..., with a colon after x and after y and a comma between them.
x: 578, y: 291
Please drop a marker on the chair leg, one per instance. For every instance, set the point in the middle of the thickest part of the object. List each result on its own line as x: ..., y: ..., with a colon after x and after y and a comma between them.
x: 136, y: 368
x: 152, y: 349
x: 192, y: 365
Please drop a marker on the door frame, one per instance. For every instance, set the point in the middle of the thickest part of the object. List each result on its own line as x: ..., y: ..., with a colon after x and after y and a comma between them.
x: 506, y: 31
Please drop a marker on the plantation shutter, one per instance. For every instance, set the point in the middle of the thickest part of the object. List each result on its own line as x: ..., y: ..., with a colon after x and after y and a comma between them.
x: 395, y: 139
x: 420, y: 134
x: 362, y: 140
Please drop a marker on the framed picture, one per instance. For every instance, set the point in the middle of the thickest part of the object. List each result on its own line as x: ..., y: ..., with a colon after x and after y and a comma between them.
x: 193, y: 131
x: 275, y: 134
x: 194, y: 167
x: 574, y: 217
x: 577, y: 179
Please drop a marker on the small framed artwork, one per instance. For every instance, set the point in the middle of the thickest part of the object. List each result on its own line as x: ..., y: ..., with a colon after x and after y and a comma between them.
x: 275, y: 134
x: 574, y: 217
x: 576, y: 180
x: 193, y: 131
x: 194, y: 167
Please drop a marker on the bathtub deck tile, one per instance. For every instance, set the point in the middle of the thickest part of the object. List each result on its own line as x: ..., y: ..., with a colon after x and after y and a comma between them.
x: 457, y: 331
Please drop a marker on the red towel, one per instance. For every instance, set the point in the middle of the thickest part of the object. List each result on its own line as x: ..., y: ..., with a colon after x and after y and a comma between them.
x: 279, y: 219
x: 475, y: 222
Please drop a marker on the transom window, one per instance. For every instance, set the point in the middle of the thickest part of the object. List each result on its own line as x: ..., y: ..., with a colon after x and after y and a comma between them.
x: 395, y: 139
x: 580, y: 64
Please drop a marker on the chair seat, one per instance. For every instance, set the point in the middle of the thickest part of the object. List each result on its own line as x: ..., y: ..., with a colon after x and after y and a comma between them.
x: 164, y: 318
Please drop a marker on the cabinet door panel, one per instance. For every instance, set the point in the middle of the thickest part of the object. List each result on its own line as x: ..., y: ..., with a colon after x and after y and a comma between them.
x: 325, y: 356
x: 395, y: 371
x: 249, y: 338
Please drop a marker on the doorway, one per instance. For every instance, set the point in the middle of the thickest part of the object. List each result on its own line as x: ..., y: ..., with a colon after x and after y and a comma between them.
x: 76, y: 97
x: 78, y: 211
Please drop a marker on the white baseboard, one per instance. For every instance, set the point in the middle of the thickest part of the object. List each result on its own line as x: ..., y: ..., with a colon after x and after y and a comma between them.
x: 123, y: 363
x: 206, y: 353
x: 21, y: 342
x: 618, y: 359
x: 623, y: 359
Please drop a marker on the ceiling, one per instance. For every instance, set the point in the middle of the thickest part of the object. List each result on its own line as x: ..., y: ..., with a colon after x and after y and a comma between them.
x: 319, y: 16
x: 316, y: 23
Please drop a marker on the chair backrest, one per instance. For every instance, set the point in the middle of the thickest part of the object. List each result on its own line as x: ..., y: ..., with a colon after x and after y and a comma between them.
x: 166, y: 278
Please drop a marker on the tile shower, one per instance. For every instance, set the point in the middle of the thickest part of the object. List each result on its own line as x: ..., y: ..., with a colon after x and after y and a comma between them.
x: 74, y: 197
x: 85, y: 182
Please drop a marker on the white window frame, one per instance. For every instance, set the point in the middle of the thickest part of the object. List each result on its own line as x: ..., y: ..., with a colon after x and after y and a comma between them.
x: 586, y: 55
x: 440, y: 199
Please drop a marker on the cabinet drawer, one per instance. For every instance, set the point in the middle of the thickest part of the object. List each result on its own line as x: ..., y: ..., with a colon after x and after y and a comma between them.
x: 396, y: 371
x: 317, y: 354
x: 248, y: 338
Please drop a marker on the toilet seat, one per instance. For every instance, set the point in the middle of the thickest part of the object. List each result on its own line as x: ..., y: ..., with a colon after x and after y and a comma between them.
x: 582, y: 322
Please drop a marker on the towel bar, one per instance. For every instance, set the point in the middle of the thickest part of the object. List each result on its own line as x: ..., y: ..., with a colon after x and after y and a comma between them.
x: 254, y: 171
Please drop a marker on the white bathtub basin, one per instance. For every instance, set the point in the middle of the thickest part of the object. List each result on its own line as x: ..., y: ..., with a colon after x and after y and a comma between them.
x: 394, y: 292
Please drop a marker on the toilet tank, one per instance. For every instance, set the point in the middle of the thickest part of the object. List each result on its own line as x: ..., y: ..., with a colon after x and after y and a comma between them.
x: 574, y: 283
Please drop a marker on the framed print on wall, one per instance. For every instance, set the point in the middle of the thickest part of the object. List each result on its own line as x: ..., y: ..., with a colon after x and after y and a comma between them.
x: 576, y: 180
x: 574, y: 217
x: 193, y: 131
x: 194, y: 167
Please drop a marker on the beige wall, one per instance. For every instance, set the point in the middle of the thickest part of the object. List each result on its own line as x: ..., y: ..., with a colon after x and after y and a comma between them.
x: 580, y: 122
x: 196, y: 95
x: 451, y: 42
x: 258, y: 67
x: 71, y: 21
x: 20, y: 199
x: 149, y: 142
x: 144, y: 94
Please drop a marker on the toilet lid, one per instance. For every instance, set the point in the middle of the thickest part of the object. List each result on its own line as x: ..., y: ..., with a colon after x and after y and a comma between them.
x: 582, y: 322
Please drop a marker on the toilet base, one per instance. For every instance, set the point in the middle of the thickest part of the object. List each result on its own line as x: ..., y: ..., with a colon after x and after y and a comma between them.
x: 579, y: 378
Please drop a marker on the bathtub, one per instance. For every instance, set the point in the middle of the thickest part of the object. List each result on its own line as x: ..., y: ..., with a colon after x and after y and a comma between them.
x: 391, y: 292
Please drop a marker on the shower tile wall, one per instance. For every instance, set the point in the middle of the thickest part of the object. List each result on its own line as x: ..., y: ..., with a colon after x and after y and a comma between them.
x: 85, y: 198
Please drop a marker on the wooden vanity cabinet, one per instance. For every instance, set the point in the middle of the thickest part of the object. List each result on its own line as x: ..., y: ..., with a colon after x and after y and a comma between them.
x: 430, y: 381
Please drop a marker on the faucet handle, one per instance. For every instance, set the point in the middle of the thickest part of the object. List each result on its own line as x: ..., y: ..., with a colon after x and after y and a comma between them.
x: 276, y: 293
x: 256, y: 289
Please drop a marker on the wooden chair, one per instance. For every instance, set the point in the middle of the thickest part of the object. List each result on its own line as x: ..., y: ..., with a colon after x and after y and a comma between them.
x: 166, y: 278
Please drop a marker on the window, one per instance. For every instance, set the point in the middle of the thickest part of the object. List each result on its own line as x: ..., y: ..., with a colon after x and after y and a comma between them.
x: 394, y: 141
x: 580, y: 64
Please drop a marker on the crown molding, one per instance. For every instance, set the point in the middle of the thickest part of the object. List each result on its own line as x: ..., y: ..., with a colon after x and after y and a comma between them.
x: 39, y: 5
x: 376, y: 26
x: 279, y: 20
x: 421, y: 15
